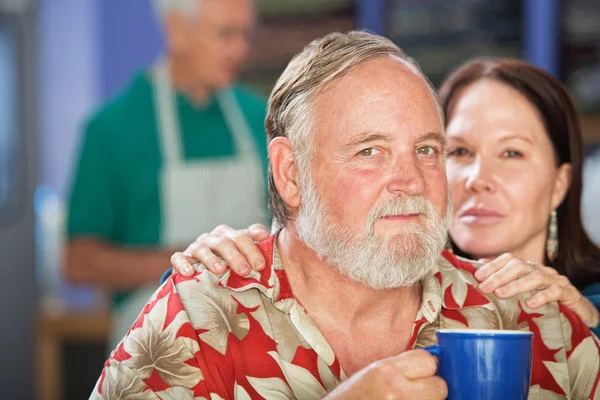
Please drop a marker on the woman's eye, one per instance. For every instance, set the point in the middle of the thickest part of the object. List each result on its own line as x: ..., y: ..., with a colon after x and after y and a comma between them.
x: 427, y: 150
x: 512, y: 154
x: 458, y: 152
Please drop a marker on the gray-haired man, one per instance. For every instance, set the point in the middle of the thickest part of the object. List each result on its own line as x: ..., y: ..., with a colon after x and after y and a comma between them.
x: 356, y: 280
x: 181, y: 125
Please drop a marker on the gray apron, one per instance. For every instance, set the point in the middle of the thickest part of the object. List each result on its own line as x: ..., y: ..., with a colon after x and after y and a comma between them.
x: 199, y: 195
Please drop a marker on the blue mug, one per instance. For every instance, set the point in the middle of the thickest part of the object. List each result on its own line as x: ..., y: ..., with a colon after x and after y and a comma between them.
x: 484, y: 364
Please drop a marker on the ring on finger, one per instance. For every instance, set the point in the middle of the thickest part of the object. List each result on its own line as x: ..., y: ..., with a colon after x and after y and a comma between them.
x: 532, y: 264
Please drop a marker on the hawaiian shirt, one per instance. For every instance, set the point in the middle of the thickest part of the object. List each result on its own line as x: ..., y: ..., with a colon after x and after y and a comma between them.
x: 230, y: 337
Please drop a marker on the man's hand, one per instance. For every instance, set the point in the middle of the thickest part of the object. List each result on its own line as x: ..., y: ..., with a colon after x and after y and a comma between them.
x: 410, y: 375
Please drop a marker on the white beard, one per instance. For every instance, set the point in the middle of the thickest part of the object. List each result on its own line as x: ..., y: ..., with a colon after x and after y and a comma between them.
x: 378, y: 262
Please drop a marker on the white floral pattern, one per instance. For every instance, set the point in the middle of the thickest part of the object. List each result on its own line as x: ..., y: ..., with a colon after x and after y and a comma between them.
x: 229, y: 337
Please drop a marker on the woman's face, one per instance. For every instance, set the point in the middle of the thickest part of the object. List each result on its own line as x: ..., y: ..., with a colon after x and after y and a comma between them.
x: 502, y: 173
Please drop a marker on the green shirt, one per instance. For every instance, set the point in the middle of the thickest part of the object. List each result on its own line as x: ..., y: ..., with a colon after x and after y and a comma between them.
x: 115, y: 192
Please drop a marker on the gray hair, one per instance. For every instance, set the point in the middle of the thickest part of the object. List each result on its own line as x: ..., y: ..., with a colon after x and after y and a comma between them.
x: 321, y: 62
x: 184, y: 7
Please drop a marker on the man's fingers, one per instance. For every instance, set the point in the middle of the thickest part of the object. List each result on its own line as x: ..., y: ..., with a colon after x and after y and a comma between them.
x: 416, y: 364
x: 430, y: 388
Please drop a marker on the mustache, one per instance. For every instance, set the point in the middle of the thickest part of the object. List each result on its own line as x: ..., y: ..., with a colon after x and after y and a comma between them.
x: 403, y: 205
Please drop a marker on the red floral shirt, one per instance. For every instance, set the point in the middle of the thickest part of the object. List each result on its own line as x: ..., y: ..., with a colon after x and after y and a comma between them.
x: 228, y: 337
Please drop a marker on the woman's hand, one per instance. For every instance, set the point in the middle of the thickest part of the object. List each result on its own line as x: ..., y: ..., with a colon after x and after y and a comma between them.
x: 236, y: 248
x: 508, y: 276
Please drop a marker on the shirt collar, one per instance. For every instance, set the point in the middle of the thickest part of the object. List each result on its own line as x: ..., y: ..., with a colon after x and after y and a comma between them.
x: 457, y: 284
x: 449, y: 285
x: 431, y: 302
x: 268, y: 281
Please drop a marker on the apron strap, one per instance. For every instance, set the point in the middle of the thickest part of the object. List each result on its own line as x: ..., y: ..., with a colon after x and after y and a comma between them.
x: 237, y: 123
x: 168, y: 124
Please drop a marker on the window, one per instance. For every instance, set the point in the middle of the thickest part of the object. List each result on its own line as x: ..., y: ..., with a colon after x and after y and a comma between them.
x: 440, y: 34
x: 581, y: 52
x: 12, y: 185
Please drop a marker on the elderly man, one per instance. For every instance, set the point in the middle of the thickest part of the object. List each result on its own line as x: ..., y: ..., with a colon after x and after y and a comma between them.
x: 355, y: 283
x: 181, y: 125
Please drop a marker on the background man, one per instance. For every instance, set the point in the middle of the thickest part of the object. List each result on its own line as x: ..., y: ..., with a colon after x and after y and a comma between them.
x: 184, y: 120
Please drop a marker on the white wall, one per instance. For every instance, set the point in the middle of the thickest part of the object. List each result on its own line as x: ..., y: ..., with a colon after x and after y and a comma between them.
x: 68, y: 78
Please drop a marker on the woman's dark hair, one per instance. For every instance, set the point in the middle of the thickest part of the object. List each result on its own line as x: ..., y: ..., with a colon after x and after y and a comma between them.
x: 578, y: 258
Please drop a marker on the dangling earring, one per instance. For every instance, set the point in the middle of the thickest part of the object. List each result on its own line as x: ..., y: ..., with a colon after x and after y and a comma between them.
x: 449, y: 245
x: 552, y: 241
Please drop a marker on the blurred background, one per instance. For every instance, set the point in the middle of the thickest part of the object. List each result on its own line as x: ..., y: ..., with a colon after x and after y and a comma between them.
x: 59, y: 59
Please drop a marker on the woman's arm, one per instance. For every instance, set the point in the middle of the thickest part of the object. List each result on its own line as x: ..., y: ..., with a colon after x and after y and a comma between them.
x: 592, y: 292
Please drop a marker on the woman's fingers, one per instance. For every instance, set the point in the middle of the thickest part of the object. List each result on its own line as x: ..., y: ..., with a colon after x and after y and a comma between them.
x: 245, y: 243
x: 232, y: 255
x: 259, y: 232
x: 493, y: 266
x: 182, y: 264
x: 511, y: 271
x: 537, y: 279
x: 507, y: 276
x: 201, y: 253
x: 551, y: 293
x: 224, y: 246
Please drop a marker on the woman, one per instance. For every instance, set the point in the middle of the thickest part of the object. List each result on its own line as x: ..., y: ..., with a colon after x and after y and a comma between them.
x: 514, y: 166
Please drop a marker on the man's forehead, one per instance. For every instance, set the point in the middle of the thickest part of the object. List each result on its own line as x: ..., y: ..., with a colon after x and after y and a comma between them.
x: 363, y: 137
x: 388, y: 69
x: 382, y: 95
x: 224, y: 10
x: 371, y: 81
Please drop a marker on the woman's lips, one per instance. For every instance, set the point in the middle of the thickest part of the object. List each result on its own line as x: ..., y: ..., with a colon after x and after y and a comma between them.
x: 480, y: 216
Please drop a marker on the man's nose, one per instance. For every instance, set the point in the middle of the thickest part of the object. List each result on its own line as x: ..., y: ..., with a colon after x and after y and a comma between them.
x: 406, y: 177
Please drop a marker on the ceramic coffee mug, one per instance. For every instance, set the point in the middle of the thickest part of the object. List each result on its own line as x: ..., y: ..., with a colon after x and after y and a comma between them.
x: 484, y: 364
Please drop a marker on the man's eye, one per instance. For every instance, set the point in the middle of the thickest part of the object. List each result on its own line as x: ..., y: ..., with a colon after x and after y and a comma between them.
x: 427, y: 150
x: 367, y: 152
x: 226, y: 33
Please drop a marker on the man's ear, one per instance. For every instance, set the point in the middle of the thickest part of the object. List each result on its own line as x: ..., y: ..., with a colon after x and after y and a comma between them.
x: 174, y: 28
x: 285, y: 171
